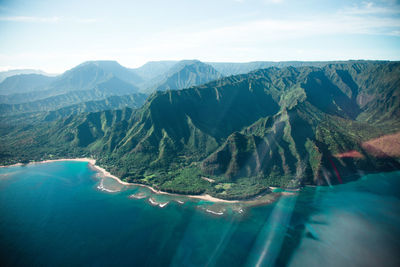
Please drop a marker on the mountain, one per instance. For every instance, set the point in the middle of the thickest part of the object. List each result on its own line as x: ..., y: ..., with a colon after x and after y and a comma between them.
x: 95, y: 80
x: 91, y: 75
x: 184, y: 74
x: 73, y: 103
x: 159, y: 75
x: 24, y: 83
x: 233, y: 68
x: 272, y: 127
x: 152, y: 69
x: 9, y: 73
x: 110, y: 103
x: 88, y: 74
x: 111, y: 87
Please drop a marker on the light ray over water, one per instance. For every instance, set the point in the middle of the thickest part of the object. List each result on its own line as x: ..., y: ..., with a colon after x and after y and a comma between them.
x: 54, y: 214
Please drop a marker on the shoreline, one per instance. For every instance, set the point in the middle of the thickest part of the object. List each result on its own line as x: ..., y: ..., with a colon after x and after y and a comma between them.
x: 89, y: 160
x: 105, y: 173
x: 13, y: 165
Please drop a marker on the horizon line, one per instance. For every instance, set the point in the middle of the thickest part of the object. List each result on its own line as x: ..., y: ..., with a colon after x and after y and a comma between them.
x: 53, y: 72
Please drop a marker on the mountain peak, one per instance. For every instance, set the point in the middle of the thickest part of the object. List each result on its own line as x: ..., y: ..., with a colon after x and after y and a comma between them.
x: 101, y: 64
x: 188, y: 62
x: 187, y: 73
x: 89, y: 73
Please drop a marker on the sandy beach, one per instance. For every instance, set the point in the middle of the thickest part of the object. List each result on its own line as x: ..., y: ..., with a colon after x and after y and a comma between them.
x: 104, y: 173
x: 13, y: 165
x: 91, y: 161
x: 213, y: 199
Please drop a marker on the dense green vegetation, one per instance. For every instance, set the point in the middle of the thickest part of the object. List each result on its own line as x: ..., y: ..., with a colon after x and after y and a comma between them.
x: 56, y: 105
x: 229, y: 68
x: 271, y: 127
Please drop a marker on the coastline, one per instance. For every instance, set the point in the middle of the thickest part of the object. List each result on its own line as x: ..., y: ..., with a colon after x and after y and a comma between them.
x: 13, y: 165
x: 89, y: 160
x: 103, y: 172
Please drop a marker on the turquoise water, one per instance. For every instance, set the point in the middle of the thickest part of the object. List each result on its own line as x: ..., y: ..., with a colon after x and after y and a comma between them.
x: 55, y: 214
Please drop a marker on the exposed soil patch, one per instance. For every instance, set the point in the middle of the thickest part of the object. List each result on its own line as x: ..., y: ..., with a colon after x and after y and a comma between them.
x: 349, y: 154
x: 384, y: 146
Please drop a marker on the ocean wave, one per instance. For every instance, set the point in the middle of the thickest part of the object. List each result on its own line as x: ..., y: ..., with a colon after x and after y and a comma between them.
x: 138, y: 195
x: 155, y: 203
x: 102, y: 188
x: 162, y: 205
x: 215, y: 212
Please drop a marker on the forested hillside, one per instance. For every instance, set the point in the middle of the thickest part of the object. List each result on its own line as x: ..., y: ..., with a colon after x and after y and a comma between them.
x: 271, y: 127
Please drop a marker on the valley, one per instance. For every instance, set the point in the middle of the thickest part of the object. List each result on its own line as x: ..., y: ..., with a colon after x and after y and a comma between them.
x: 272, y: 127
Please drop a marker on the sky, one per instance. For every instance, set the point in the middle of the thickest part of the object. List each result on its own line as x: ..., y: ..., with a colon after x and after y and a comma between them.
x: 57, y: 35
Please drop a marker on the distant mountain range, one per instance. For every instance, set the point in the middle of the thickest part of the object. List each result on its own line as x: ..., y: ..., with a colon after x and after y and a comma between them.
x: 283, y: 127
x: 24, y: 83
x: 9, y: 73
x: 97, y: 80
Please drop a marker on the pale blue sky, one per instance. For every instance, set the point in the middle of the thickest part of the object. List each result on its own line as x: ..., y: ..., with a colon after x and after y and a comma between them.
x: 57, y: 35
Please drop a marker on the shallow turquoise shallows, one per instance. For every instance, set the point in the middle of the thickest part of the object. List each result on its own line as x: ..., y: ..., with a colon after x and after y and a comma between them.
x: 62, y: 214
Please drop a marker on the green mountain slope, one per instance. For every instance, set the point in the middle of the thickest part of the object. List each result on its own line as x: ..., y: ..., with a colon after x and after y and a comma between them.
x: 111, y: 87
x: 271, y: 127
x: 184, y: 74
x: 234, y: 68
x: 113, y: 102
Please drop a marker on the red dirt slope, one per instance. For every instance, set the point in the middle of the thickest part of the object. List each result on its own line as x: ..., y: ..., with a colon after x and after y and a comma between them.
x: 384, y: 146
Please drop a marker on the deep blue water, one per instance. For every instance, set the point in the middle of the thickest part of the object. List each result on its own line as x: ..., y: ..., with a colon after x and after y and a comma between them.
x: 54, y: 214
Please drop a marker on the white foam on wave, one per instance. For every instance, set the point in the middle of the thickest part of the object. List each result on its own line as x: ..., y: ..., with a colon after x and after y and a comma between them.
x: 215, y: 212
x: 102, y: 188
x: 137, y: 196
x: 162, y: 205
x: 155, y: 203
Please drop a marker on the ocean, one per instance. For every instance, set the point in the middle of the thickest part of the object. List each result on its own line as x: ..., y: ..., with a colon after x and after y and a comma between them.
x: 63, y: 214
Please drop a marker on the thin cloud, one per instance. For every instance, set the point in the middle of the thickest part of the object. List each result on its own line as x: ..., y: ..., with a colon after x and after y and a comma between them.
x: 340, y: 23
x: 369, y: 8
x: 250, y: 36
x: 273, y: 1
x: 54, y: 19
x: 270, y: 30
x: 82, y: 20
x: 30, y: 19
x: 263, y: 1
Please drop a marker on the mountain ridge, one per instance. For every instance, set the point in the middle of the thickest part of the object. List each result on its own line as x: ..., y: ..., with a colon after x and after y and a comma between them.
x: 270, y: 127
x: 24, y: 83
